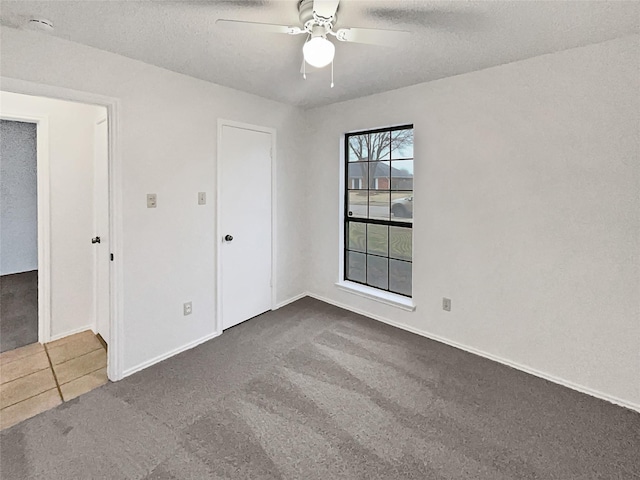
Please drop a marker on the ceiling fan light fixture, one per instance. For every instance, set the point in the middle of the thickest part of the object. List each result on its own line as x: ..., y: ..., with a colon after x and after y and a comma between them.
x: 319, y: 52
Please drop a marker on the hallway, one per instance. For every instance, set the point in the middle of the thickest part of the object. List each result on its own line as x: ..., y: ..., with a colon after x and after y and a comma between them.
x: 18, y: 310
x: 38, y: 377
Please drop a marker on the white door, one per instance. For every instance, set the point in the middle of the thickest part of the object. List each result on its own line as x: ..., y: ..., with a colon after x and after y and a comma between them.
x: 245, y: 224
x: 101, y: 228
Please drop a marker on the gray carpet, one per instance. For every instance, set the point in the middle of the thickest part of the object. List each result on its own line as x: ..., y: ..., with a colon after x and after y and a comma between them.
x: 314, y: 392
x: 18, y: 310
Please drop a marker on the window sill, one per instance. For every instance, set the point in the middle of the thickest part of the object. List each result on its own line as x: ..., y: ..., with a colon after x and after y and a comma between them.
x: 392, y: 299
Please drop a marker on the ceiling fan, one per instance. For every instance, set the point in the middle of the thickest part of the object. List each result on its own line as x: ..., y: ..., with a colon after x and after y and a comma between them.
x: 318, y: 19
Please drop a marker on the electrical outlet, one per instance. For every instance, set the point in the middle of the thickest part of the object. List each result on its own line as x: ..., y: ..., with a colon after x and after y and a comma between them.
x: 152, y: 200
x: 446, y: 304
x: 187, y: 308
x: 202, y: 198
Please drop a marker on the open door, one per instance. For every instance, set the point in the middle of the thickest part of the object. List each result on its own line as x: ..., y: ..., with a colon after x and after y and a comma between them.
x: 101, y: 229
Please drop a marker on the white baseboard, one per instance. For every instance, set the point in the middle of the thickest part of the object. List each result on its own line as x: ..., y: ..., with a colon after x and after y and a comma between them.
x: 188, y: 346
x: 495, y: 358
x: 291, y: 300
x: 164, y: 356
x: 22, y: 270
x: 84, y: 328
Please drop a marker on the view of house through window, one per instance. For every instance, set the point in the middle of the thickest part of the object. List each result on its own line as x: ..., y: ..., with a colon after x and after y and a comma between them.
x: 379, y: 208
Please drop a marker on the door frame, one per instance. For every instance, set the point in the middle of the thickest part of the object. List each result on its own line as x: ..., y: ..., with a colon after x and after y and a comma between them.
x: 256, y: 128
x: 43, y: 217
x: 116, y: 278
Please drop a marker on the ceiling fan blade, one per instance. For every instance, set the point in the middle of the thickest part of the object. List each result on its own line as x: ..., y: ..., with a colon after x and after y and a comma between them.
x: 225, y: 3
x: 245, y: 3
x: 259, y: 27
x: 325, y: 8
x: 433, y: 17
x: 372, y: 36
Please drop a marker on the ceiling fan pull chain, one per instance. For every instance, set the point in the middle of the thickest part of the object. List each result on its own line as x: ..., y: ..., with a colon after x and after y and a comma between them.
x: 331, y: 73
x: 304, y: 60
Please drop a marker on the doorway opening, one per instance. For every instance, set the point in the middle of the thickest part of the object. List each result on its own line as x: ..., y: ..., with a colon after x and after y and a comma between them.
x: 55, y: 271
x: 18, y: 234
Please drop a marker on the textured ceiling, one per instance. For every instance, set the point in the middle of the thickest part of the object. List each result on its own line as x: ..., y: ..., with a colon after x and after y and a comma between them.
x: 448, y: 38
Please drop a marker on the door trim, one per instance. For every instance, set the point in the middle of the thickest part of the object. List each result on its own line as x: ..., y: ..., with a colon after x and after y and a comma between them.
x: 44, y: 218
x: 116, y: 277
x: 256, y: 128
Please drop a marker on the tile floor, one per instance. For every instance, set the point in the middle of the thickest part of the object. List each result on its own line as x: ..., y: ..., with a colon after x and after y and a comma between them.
x: 38, y: 377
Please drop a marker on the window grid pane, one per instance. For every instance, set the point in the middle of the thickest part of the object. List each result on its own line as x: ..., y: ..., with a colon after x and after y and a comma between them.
x: 358, y: 203
x: 358, y: 175
x: 379, y: 205
x: 378, y: 272
x: 402, y: 206
x: 357, y: 237
x: 400, y: 277
x: 400, y: 243
x: 358, y: 148
x: 357, y: 267
x: 379, y: 209
x: 378, y: 240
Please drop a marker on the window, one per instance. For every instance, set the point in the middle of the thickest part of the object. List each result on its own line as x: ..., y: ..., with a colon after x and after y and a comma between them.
x: 378, y: 216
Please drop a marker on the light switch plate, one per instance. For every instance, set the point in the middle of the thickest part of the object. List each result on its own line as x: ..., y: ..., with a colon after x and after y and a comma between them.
x: 446, y: 304
x: 202, y: 198
x: 152, y: 200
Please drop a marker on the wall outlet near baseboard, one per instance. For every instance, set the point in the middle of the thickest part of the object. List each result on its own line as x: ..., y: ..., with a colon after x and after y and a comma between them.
x: 446, y: 304
x: 187, y: 308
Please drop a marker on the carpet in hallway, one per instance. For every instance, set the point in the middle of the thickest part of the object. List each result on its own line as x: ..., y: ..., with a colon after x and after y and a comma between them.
x: 311, y: 391
x: 18, y: 310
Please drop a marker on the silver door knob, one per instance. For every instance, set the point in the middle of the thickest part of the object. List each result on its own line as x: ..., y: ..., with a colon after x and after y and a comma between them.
x: 228, y: 238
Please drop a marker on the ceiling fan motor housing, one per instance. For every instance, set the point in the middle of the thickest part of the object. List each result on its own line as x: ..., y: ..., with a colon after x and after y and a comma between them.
x: 309, y: 20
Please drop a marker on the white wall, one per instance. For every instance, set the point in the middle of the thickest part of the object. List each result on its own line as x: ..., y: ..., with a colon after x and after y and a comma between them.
x: 526, y: 211
x: 168, y: 126
x: 71, y: 169
x: 18, y: 198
